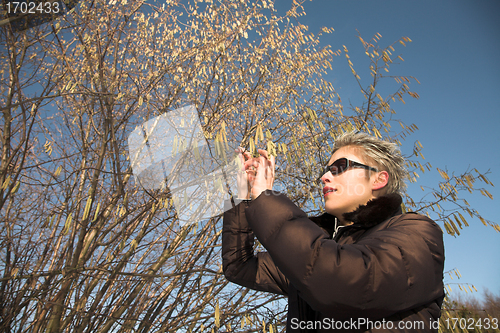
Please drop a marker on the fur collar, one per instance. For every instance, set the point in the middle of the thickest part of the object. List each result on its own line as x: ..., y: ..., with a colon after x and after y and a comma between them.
x: 374, y: 212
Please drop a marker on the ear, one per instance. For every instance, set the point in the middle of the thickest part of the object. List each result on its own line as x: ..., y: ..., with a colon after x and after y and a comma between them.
x: 381, y: 180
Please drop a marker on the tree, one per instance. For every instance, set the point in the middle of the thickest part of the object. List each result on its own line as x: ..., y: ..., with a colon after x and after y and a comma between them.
x: 22, y: 15
x: 471, y: 315
x: 84, y: 247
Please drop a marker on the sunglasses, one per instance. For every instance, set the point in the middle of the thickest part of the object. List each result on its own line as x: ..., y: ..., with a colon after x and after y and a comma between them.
x: 343, y: 164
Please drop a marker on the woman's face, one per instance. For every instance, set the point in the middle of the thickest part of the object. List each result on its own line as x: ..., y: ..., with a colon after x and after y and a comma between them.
x: 348, y: 190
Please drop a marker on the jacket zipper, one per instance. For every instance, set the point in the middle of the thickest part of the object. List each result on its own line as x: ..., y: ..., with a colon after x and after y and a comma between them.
x: 337, y: 228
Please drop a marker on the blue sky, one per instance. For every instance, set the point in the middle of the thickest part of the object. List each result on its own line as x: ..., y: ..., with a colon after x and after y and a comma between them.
x: 455, y: 55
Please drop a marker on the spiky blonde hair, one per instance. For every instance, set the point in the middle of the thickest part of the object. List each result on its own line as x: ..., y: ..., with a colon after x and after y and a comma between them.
x: 385, y: 155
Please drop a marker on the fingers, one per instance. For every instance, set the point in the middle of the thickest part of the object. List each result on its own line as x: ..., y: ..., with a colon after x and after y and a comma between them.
x: 268, y: 161
x: 265, y: 171
x: 263, y: 161
x: 241, y: 159
x: 259, y: 171
x: 250, y: 162
x: 252, y: 165
x: 245, y: 159
x: 272, y: 163
x: 262, y: 152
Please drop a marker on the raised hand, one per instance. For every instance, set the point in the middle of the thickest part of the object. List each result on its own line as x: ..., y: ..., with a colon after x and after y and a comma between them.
x: 246, y: 174
x: 264, y: 177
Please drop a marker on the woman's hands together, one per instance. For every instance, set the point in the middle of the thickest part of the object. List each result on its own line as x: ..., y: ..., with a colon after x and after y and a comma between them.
x: 256, y: 174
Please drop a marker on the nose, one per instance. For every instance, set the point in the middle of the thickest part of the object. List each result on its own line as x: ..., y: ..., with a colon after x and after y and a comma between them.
x: 326, y: 177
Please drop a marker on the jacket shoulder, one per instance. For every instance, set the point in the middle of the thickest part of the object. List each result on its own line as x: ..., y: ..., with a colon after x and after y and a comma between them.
x: 415, y: 219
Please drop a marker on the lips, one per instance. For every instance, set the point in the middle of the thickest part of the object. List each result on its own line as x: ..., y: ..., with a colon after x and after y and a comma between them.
x: 327, y: 190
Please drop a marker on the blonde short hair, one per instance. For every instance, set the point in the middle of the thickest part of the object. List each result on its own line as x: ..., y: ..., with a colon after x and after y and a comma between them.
x: 386, y: 156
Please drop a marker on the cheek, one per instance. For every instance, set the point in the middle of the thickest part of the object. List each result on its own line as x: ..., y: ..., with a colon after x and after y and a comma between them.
x: 351, y: 189
x: 354, y: 185
x: 360, y: 189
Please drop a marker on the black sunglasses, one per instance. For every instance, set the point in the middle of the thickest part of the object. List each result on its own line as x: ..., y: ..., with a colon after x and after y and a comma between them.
x: 342, y: 164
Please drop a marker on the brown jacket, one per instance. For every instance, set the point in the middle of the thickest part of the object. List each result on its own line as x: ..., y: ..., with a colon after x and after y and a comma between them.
x: 383, y: 273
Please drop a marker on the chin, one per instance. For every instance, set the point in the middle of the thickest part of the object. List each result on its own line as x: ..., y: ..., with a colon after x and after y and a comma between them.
x: 332, y: 210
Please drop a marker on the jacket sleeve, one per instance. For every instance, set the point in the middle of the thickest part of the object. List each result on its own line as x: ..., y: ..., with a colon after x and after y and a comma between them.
x: 240, y: 265
x: 387, y: 271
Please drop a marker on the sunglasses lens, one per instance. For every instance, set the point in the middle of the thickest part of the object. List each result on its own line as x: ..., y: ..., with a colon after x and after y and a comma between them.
x: 338, y: 166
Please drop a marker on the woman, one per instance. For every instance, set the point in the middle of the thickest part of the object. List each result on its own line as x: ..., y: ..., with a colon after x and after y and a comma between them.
x: 363, y: 266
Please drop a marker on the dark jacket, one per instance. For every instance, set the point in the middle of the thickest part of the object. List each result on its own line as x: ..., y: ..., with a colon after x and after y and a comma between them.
x: 384, y: 271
